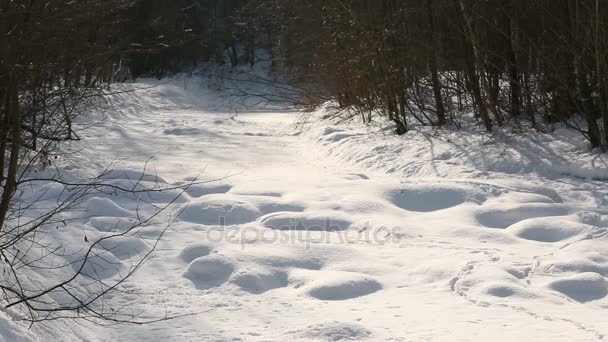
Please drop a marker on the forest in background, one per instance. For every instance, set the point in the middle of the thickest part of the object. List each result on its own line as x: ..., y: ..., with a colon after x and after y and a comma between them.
x: 429, y: 61
x: 424, y: 62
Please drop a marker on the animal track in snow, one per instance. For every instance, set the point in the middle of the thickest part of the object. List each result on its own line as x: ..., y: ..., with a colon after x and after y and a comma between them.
x: 480, y: 281
x: 519, y: 272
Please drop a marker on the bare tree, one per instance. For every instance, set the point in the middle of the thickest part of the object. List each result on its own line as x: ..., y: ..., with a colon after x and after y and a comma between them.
x: 431, y: 60
x: 57, y: 59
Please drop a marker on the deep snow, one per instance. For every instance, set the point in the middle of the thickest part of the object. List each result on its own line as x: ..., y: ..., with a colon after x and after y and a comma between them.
x: 335, y: 233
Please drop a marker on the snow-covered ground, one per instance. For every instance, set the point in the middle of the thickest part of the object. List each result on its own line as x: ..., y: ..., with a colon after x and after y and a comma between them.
x: 318, y: 232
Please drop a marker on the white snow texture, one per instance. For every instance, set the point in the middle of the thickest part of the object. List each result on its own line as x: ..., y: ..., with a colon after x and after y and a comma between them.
x: 340, y: 233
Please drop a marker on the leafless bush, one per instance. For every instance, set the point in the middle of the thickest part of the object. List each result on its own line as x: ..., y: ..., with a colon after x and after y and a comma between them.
x: 56, y: 59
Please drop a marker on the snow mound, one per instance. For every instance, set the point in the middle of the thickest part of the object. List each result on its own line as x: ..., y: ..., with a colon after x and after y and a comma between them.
x: 200, y: 190
x: 258, y: 282
x: 493, y: 282
x: 307, y: 221
x: 133, y: 176
x: 209, y: 271
x: 99, y: 264
x: 547, y: 229
x: 584, y: 256
x: 98, y: 206
x: 337, y: 286
x: 112, y: 224
x: 575, y: 265
x: 270, y: 205
x: 42, y: 192
x: 232, y: 209
x: 505, y: 215
x: 584, y: 287
x: 282, y: 258
x: 150, y: 192
x: 506, y: 290
x: 194, y: 252
x: 10, y: 331
x: 425, y: 151
x: 218, y: 211
x: 524, y: 197
x: 125, y: 247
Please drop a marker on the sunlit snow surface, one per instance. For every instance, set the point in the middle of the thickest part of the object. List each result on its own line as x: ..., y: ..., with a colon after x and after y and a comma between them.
x: 320, y: 232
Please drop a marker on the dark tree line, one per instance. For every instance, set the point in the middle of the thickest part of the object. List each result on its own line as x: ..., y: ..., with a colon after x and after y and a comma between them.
x: 431, y: 60
x: 54, y: 57
x: 422, y: 61
x: 188, y: 32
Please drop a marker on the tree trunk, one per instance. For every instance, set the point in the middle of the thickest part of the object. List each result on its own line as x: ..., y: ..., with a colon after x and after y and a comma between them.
x: 514, y: 83
x: 475, y: 78
x: 434, y: 62
x: 14, y: 125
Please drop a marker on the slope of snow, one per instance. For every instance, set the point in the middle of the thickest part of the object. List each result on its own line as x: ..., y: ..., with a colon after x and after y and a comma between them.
x: 473, y: 152
x: 331, y: 233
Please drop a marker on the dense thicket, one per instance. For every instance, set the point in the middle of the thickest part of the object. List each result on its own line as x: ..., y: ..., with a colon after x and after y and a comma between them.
x: 57, y: 59
x: 54, y: 56
x: 185, y: 33
x: 430, y: 60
